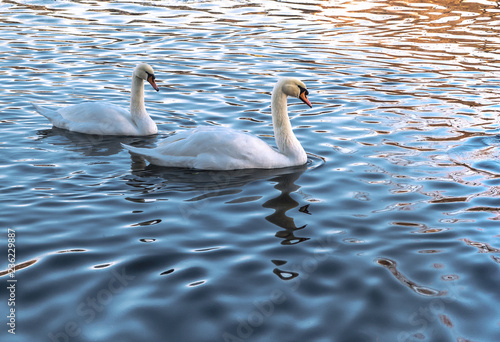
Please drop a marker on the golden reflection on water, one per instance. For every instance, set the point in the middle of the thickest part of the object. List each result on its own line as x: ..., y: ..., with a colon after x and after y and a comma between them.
x: 430, y: 28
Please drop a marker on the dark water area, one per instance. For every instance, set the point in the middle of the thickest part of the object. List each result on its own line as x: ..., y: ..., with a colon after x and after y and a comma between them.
x: 389, y: 233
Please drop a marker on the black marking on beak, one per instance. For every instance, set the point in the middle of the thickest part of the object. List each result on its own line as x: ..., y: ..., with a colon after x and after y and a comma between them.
x: 303, y: 90
x: 303, y: 96
x: 151, y: 79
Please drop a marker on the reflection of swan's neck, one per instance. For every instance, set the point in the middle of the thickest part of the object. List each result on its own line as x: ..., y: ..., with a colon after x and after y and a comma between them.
x: 137, y: 108
x: 283, y: 134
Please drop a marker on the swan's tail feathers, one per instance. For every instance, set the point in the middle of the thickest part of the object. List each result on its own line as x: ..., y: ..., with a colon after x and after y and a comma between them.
x: 132, y: 149
x: 53, y: 116
x: 149, y: 154
x: 155, y: 157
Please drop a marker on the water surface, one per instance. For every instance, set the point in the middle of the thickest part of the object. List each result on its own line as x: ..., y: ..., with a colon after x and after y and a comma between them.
x: 390, y: 233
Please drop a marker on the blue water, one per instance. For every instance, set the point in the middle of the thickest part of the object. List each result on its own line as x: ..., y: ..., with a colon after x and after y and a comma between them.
x: 389, y: 233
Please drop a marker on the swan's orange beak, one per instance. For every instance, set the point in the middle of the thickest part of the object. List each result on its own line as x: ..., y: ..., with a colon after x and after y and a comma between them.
x: 151, y: 80
x: 303, y: 97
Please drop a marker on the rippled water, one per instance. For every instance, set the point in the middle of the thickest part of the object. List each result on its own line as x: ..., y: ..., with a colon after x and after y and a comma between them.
x: 390, y: 233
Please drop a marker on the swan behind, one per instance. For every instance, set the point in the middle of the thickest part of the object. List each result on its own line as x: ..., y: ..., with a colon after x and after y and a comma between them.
x: 220, y: 148
x: 105, y: 118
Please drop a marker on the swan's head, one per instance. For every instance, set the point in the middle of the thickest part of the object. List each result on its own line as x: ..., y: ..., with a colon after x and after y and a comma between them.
x: 146, y: 72
x: 296, y: 88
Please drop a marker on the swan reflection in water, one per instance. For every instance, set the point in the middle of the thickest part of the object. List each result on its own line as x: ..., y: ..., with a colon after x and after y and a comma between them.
x: 90, y: 145
x: 283, y: 203
x: 213, y: 184
x: 151, y: 183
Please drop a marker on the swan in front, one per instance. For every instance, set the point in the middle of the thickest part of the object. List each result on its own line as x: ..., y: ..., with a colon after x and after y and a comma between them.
x: 220, y: 148
x: 108, y: 119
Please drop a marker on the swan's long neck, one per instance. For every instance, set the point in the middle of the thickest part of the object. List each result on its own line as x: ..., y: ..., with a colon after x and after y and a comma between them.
x: 286, y: 141
x: 137, y: 107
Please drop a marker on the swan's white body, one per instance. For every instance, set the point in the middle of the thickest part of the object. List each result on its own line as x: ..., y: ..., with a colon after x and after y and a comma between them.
x: 219, y: 148
x: 108, y: 119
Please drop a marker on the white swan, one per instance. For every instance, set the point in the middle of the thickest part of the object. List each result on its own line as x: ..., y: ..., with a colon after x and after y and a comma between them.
x: 106, y: 118
x: 219, y: 148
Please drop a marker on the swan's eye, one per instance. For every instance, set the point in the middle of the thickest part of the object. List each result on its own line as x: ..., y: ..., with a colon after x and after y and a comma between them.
x: 303, y: 90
